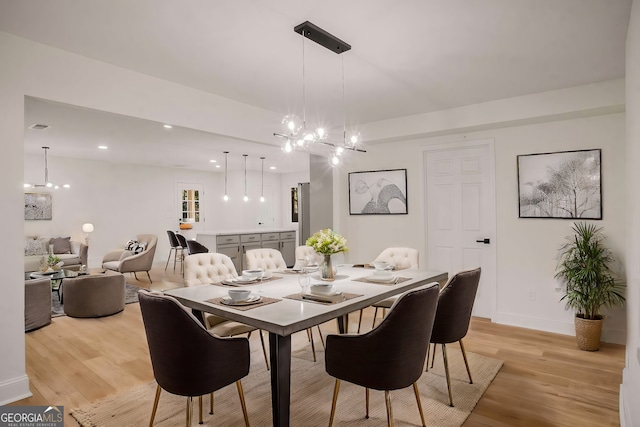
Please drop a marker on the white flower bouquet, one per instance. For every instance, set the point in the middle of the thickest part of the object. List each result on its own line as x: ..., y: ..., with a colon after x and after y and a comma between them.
x: 327, y: 242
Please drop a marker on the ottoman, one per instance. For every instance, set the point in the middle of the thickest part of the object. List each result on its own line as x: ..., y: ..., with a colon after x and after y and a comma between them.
x: 37, y: 303
x: 94, y: 295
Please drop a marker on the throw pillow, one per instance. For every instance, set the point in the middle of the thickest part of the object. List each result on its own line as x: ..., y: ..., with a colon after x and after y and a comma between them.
x: 35, y: 247
x: 130, y: 244
x: 61, y: 245
x: 140, y: 247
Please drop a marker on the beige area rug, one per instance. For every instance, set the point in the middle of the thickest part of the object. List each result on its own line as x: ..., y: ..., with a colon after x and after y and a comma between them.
x: 311, y: 391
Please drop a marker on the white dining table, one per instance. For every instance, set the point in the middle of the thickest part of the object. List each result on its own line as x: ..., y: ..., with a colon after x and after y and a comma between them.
x: 287, y: 316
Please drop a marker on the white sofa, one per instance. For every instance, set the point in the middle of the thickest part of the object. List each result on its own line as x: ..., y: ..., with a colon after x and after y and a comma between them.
x: 72, y: 254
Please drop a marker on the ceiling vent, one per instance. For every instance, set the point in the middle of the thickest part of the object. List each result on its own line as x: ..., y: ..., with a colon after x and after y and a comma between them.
x: 37, y: 126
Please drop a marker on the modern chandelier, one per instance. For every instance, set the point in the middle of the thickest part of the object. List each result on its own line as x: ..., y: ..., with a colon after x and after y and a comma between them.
x: 294, y: 133
x: 47, y: 183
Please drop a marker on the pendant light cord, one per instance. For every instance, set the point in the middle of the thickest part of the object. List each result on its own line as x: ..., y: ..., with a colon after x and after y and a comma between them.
x: 344, y: 108
x: 46, y: 166
x: 304, y: 92
x: 226, y: 154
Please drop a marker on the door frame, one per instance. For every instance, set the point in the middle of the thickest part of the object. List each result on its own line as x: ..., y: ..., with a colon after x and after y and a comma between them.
x: 453, y: 146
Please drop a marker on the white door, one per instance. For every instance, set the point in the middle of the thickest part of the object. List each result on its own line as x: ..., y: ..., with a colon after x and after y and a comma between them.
x: 191, y: 207
x: 461, y: 214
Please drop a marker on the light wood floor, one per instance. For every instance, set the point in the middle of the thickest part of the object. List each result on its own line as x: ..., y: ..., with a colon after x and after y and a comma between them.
x: 545, y: 380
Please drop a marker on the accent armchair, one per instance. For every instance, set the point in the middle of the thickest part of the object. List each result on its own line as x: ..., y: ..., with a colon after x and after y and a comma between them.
x: 124, y: 261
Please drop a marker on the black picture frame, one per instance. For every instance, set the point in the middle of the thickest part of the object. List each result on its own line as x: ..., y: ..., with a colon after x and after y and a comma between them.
x: 381, y: 192
x: 560, y: 185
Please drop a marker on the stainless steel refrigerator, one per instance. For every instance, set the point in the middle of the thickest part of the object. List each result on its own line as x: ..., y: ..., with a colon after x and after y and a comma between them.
x: 304, y: 227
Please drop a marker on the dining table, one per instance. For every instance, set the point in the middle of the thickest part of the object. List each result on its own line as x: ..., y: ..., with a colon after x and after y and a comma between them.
x: 286, y: 315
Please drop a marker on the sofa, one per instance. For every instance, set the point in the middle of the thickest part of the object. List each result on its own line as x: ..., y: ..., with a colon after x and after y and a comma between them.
x: 72, y: 254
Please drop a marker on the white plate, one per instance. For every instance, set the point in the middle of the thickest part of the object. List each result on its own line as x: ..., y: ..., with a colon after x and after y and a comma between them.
x: 245, y: 281
x: 378, y: 279
x: 336, y: 277
x: 253, y: 299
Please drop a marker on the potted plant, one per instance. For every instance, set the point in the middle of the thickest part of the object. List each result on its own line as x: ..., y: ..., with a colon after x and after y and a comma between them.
x: 584, y: 268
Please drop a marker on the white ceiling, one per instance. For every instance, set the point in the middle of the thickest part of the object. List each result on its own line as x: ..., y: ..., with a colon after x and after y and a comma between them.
x: 408, y: 56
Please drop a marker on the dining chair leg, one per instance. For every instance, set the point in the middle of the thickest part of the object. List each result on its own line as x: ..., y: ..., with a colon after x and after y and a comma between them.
x: 336, y: 390
x: 360, y: 319
x: 366, y: 402
x: 387, y: 399
x: 211, y: 404
x: 189, y: 410
x: 149, y: 276
x: 155, y: 405
x: 313, y: 346
x: 428, y: 353
x: 175, y: 259
x: 264, y: 349
x: 168, y: 259
x: 373, y: 322
x: 200, y: 410
x: 466, y: 363
x: 433, y: 356
x: 321, y: 337
x: 446, y: 370
x: 417, y: 393
x: 243, y: 403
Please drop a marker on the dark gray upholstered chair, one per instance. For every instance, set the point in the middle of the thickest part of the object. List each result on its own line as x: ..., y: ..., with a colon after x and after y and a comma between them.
x: 389, y: 357
x: 37, y: 303
x: 453, y: 316
x: 187, y: 360
x: 196, y: 248
x: 175, y: 248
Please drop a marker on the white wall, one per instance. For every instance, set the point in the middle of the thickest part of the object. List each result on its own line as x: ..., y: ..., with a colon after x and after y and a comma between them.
x: 630, y: 388
x: 124, y: 200
x: 526, y: 248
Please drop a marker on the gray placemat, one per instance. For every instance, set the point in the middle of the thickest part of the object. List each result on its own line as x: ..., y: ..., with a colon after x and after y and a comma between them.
x: 398, y: 280
x: 347, y: 296
x: 263, y: 301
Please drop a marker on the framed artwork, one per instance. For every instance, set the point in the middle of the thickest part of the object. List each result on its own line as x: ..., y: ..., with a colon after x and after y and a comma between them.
x: 563, y: 185
x: 382, y: 192
x: 37, y: 206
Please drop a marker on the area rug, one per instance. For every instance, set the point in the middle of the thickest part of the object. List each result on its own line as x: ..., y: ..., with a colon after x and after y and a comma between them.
x: 311, y: 391
x: 57, y: 309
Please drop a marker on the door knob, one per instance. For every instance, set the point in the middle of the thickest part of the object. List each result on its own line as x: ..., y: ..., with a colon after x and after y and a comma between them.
x: 485, y: 241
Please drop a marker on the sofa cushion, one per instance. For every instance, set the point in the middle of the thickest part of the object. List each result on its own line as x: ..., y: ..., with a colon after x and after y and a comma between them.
x: 61, y: 245
x: 125, y: 254
x: 111, y: 265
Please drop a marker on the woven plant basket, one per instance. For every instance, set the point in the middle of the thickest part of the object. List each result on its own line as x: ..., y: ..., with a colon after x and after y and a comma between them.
x: 588, y: 333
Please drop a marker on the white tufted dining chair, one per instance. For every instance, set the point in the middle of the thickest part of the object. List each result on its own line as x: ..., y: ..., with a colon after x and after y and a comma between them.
x: 270, y: 260
x: 265, y: 258
x: 207, y: 268
x: 307, y: 252
x: 400, y: 258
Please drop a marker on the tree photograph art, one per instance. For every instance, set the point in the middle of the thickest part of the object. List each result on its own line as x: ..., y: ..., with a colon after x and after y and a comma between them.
x: 560, y: 185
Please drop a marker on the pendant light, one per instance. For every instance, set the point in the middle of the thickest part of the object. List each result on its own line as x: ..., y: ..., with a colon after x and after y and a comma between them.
x: 262, y: 180
x: 226, y: 197
x: 47, y: 183
x: 294, y: 130
x: 246, y: 197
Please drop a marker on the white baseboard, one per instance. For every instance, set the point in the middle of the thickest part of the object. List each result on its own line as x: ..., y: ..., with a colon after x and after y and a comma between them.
x: 615, y: 336
x: 14, y: 389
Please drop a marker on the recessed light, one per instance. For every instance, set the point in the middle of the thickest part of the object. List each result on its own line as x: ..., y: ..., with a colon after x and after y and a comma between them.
x: 213, y: 161
x: 217, y: 166
x: 102, y: 147
x: 168, y: 126
x: 272, y: 167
